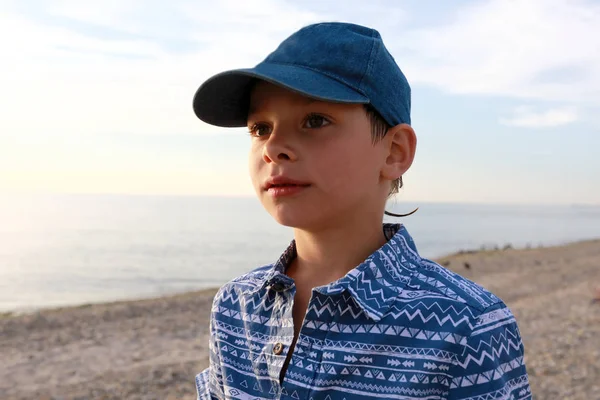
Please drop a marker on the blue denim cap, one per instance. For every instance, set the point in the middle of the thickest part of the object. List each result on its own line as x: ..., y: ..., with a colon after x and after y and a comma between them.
x: 335, y: 62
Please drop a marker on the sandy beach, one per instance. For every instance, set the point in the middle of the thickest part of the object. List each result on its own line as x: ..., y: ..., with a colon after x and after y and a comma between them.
x: 151, y: 349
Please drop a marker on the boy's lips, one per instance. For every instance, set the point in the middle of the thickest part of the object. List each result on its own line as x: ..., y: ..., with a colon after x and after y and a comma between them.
x: 283, y: 181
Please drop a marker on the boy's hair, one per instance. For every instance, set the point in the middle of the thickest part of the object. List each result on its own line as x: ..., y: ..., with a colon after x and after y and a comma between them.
x: 379, y: 128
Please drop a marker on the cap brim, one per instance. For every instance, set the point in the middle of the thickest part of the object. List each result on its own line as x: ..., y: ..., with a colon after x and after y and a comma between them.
x: 223, y: 100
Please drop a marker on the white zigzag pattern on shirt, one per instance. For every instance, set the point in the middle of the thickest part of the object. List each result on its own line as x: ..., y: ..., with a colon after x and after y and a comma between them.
x: 425, y: 319
x: 498, y: 344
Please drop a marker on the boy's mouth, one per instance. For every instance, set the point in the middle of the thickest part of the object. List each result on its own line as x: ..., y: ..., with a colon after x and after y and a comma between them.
x: 282, y: 182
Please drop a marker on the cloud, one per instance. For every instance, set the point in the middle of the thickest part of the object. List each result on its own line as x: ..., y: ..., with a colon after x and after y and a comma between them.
x: 536, y: 49
x: 528, y: 118
x: 107, y: 13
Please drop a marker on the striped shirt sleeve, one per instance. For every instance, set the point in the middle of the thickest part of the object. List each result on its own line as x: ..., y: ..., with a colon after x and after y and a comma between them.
x: 209, y: 383
x: 491, y: 365
x: 202, y: 385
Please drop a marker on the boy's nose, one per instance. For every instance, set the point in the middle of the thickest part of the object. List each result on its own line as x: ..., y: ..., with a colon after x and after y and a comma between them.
x: 278, y: 150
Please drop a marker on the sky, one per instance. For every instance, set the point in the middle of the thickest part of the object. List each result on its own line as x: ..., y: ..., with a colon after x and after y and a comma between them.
x: 96, y: 96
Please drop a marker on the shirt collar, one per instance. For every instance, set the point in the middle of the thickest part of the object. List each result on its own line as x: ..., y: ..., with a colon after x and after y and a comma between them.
x: 374, y: 284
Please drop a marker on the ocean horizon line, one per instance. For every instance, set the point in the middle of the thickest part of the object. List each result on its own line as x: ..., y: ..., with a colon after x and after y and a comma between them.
x: 391, y: 201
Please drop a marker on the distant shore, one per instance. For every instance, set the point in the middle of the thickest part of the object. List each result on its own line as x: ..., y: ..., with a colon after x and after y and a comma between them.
x: 152, y: 348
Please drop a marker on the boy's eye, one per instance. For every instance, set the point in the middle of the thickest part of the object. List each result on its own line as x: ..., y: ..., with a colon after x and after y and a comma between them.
x: 315, y: 121
x: 260, y: 130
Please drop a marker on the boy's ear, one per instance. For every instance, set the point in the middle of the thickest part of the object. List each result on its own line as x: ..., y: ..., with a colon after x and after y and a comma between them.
x: 401, y: 145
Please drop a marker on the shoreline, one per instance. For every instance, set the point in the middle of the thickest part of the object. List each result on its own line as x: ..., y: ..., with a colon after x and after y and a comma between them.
x: 123, y: 301
x: 152, y: 348
x: 482, y: 250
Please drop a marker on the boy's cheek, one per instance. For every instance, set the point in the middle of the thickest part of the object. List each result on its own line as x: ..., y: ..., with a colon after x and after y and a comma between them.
x: 254, y: 164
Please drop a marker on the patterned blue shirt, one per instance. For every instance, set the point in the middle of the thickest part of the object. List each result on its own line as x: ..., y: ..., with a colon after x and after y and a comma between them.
x: 397, y: 326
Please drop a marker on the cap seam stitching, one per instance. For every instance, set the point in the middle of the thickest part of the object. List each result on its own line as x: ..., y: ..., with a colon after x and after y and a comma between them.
x: 370, y: 63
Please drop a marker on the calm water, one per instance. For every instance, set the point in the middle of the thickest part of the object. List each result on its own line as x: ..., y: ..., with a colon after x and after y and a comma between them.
x: 62, y: 250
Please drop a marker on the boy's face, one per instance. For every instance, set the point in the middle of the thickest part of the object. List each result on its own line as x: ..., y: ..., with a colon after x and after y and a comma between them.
x: 325, y: 147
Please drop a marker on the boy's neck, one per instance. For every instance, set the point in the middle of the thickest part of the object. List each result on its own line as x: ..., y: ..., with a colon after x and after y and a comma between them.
x: 326, y: 256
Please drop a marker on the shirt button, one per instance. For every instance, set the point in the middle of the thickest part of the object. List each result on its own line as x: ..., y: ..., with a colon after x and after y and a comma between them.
x: 278, y: 348
x: 278, y: 287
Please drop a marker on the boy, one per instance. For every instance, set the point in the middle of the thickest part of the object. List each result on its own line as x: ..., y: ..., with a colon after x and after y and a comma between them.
x: 350, y: 310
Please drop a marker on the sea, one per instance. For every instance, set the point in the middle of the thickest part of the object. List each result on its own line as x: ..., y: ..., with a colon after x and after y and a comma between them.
x: 63, y: 250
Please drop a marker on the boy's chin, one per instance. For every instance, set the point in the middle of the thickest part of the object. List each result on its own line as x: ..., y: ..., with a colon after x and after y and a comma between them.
x: 289, y: 219
x: 294, y: 217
